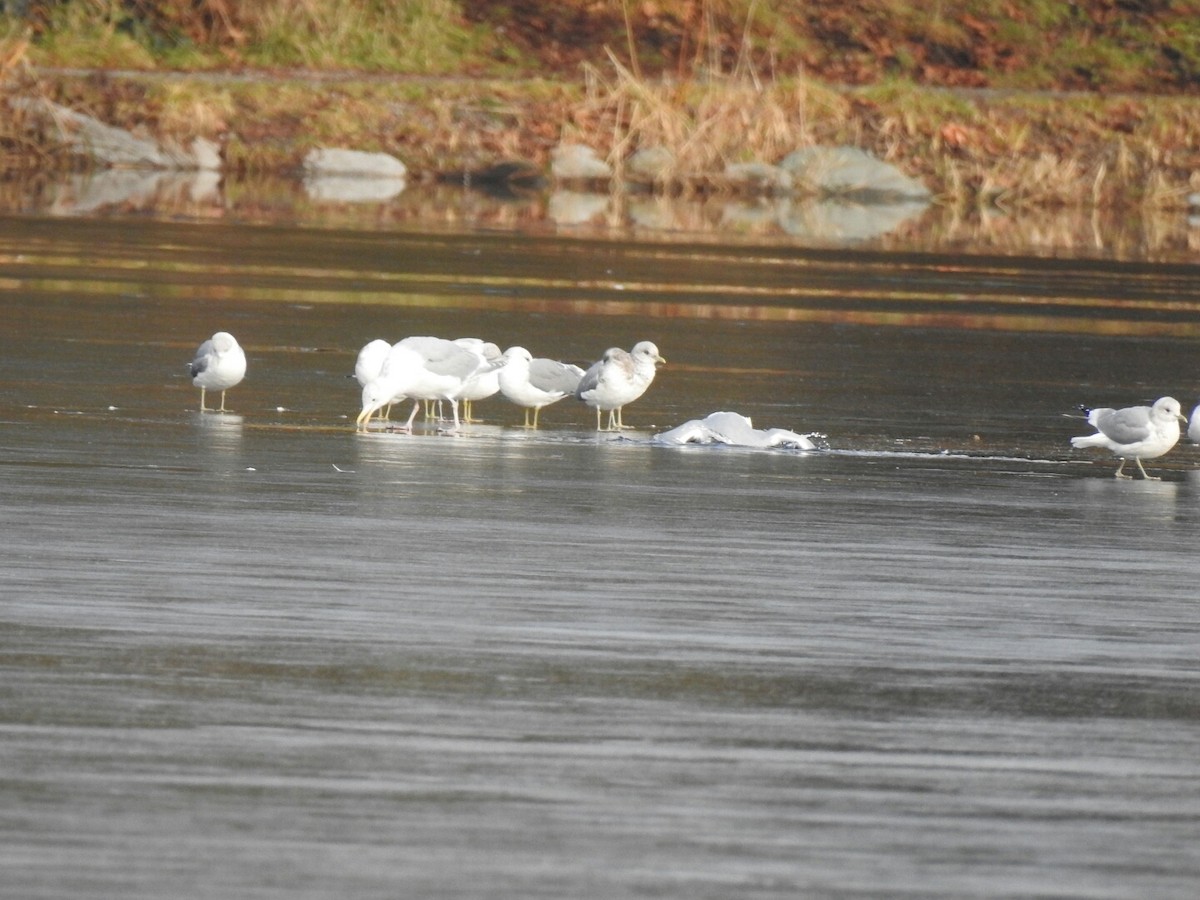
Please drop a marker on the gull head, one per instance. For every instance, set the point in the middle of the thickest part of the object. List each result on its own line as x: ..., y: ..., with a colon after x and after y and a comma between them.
x: 223, y: 341
x: 1167, y: 408
x: 648, y: 351
x: 375, y: 396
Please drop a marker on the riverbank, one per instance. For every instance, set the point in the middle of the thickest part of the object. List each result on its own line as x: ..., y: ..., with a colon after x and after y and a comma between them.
x: 976, y: 138
x: 971, y: 148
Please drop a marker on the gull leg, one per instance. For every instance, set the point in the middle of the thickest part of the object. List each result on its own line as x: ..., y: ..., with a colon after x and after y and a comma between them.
x: 1143, y: 468
x: 536, y: 410
x: 598, y: 428
x: 1120, y: 468
x: 202, y: 406
x: 416, y: 409
x: 454, y: 410
x: 222, y: 401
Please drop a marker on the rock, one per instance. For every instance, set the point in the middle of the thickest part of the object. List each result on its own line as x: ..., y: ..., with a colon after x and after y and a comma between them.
x: 117, y: 147
x: 577, y: 162
x: 650, y: 164
x: 353, y: 163
x: 336, y: 175
x: 849, y: 171
x: 758, y: 177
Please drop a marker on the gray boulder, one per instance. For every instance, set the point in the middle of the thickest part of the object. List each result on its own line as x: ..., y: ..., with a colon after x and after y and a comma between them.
x: 337, y: 175
x: 650, y: 164
x: 111, y: 146
x: 329, y: 161
x: 851, y: 172
x: 578, y: 162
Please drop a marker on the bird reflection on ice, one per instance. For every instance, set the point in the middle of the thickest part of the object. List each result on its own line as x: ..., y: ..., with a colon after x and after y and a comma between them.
x: 733, y: 429
x: 220, y: 432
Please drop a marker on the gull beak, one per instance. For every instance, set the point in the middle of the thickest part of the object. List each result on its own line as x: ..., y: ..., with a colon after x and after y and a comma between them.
x: 659, y: 361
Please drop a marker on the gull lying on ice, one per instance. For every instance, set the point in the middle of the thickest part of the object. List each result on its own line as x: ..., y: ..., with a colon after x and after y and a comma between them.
x: 733, y: 429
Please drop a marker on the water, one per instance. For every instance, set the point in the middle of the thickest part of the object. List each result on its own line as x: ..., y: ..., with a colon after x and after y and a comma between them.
x: 261, y: 655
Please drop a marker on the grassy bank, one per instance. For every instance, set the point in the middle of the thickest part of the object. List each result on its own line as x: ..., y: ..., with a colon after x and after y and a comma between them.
x: 716, y: 82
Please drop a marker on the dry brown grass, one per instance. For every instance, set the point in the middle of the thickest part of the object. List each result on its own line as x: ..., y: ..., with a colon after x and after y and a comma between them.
x: 705, y: 123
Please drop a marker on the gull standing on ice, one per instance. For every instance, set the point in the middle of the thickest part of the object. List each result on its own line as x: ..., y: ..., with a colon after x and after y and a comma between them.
x: 534, y: 383
x: 486, y: 380
x: 420, y: 368
x: 618, y: 378
x: 1140, y: 432
x: 370, y: 363
x: 220, y: 364
x: 1194, y: 426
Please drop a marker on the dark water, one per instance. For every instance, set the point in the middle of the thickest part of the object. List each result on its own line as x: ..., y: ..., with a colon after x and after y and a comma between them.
x: 260, y: 655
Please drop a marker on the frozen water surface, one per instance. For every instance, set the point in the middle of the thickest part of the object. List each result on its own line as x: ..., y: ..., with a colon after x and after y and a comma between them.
x: 262, y: 655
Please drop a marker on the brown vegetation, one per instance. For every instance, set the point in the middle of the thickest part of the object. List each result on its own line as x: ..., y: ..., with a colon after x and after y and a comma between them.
x: 716, y: 81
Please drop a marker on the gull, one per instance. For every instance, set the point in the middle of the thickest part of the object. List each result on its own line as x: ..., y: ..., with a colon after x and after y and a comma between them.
x: 534, y: 383
x: 735, y: 430
x: 370, y: 360
x: 618, y: 378
x: 486, y: 380
x: 220, y: 364
x: 420, y: 368
x: 1141, y: 432
x: 1194, y: 426
x: 370, y: 363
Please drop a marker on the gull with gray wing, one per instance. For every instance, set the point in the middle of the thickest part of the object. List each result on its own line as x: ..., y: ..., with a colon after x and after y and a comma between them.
x: 617, y: 379
x: 1135, y: 432
x: 534, y: 383
x: 219, y: 365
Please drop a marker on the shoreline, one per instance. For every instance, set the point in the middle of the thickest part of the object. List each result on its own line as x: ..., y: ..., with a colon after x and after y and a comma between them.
x: 1116, y: 174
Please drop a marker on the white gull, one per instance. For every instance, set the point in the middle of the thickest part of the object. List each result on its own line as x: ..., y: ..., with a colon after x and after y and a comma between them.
x: 220, y: 364
x: 617, y: 379
x: 735, y: 430
x: 1137, y: 432
x: 533, y: 383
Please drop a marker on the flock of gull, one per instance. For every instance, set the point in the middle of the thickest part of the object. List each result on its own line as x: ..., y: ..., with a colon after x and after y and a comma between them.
x: 434, y: 370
